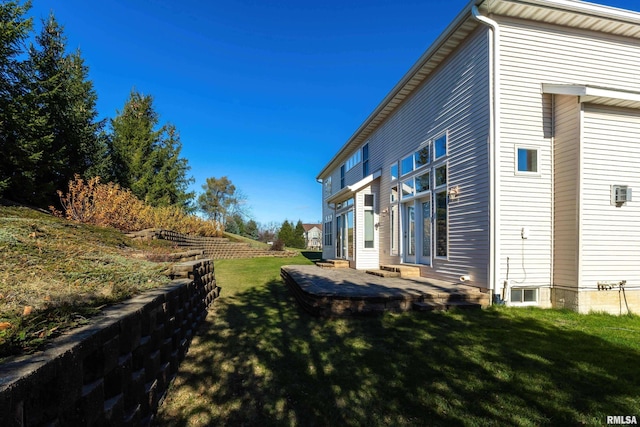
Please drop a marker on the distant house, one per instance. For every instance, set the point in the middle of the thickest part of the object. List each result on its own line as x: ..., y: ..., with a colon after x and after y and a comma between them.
x: 505, y: 157
x: 313, y: 236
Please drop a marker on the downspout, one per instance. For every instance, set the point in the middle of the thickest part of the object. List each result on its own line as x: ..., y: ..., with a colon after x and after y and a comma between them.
x: 494, y: 147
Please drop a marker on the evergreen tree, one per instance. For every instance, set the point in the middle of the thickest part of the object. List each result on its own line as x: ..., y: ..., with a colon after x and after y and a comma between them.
x: 298, y: 236
x: 146, y: 158
x: 65, y: 101
x: 18, y: 153
x: 286, y: 234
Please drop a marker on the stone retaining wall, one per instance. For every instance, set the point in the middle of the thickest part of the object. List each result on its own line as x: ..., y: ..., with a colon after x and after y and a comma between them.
x: 115, y: 370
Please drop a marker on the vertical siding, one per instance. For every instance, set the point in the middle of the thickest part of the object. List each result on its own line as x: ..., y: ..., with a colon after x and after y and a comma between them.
x: 566, y: 190
x: 532, y: 54
x: 610, y: 234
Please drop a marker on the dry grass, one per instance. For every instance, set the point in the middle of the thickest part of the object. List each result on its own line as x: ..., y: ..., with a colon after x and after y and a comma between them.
x: 55, y: 273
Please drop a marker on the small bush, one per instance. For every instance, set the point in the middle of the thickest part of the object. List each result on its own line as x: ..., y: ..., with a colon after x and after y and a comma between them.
x: 109, y: 205
x: 278, y: 245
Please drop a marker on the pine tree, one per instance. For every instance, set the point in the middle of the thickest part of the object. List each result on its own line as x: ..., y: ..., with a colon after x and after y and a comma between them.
x: 218, y: 198
x: 286, y: 234
x: 251, y: 230
x: 298, y: 236
x: 64, y: 103
x: 146, y: 157
x: 17, y: 155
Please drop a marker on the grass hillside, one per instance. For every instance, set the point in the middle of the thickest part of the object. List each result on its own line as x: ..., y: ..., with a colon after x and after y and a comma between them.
x: 54, y: 274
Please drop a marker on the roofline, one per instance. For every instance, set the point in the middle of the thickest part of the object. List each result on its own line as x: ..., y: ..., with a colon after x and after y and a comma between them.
x: 424, y: 58
x: 465, y: 15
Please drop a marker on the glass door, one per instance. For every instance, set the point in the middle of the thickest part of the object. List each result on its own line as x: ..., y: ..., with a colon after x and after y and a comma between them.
x: 424, y: 254
x: 409, y: 235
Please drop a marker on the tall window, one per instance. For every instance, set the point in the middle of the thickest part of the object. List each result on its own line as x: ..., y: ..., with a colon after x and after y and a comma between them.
x: 365, y: 160
x: 442, y: 224
x: 342, y: 176
x: 369, y: 227
x: 328, y: 230
x: 327, y: 186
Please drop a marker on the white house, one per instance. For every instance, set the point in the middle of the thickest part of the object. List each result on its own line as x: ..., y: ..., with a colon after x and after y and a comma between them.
x: 506, y: 156
x: 313, y: 236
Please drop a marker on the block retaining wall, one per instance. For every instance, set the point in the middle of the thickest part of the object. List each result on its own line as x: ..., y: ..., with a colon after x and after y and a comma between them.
x: 115, y: 370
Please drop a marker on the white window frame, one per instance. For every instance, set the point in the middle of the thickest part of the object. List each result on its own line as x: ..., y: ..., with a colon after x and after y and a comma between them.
x: 516, y: 160
x: 372, y: 211
x: 522, y: 303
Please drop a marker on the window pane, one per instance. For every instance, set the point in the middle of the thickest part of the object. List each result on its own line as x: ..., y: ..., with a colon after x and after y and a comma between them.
x: 394, y: 229
x: 394, y: 194
x: 441, y: 224
x: 394, y: 171
x: 441, y: 175
x: 368, y: 229
x: 407, y: 188
x: 422, y: 156
x: 516, y: 295
x: 422, y: 183
x: 441, y: 146
x: 368, y: 200
x: 527, y: 160
x: 407, y: 165
x: 342, y: 176
x: 426, y: 229
x: 530, y: 295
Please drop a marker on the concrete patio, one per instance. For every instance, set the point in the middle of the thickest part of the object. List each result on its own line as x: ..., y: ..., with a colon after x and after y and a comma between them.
x: 348, y: 292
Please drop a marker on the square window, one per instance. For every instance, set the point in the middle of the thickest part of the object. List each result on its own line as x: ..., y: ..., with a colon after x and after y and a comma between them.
x: 407, y: 164
x: 440, y: 146
x: 527, y: 160
x: 408, y: 189
x: 422, y: 156
x: 422, y: 183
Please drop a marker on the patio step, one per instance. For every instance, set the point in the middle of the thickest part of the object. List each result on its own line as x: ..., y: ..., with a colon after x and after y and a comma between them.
x: 383, y: 273
x: 333, y: 263
x: 404, y: 270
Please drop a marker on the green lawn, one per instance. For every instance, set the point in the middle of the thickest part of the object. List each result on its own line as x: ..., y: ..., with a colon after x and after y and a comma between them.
x: 260, y: 360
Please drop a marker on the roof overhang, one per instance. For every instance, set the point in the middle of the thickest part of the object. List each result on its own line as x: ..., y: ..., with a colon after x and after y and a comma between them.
x: 595, y: 95
x: 572, y: 13
x: 351, y: 190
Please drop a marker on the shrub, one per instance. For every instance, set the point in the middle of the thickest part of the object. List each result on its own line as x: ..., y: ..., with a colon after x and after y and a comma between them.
x: 109, y: 205
x: 278, y: 245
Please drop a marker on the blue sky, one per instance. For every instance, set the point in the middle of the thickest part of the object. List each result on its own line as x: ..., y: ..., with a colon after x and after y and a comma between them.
x: 263, y: 92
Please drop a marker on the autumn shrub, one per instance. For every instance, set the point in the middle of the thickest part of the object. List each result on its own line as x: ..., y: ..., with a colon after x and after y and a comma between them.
x: 109, y: 205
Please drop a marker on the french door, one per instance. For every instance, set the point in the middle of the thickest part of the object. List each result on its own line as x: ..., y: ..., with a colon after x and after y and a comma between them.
x: 345, y: 237
x: 417, y: 220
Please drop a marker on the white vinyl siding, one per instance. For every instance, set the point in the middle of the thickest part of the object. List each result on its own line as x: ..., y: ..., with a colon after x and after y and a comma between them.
x: 532, y: 54
x: 455, y: 99
x: 610, y: 234
x: 567, y: 190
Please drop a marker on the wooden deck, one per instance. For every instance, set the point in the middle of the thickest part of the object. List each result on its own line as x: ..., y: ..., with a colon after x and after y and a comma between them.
x: 349, y: 292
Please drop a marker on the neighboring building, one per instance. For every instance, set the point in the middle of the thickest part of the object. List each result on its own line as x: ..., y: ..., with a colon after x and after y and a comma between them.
x: 505, y: 157
x: 313, y: 236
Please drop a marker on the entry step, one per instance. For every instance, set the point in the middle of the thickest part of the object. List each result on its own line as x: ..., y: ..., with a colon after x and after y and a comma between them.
x: 333, y: 263
x: 404, y: 270
x: 384, y: 273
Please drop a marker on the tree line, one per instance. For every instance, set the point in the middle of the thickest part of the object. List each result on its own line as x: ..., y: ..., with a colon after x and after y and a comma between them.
x: 50, y: 131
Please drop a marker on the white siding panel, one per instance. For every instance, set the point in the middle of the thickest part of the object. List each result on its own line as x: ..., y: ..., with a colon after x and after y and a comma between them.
x: 610, y: 234
x: 453, y: 99
x: 566, y: 195
x: 533, y: 54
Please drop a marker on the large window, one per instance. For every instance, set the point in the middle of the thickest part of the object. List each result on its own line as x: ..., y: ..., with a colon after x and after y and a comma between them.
x: 353, y: 160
